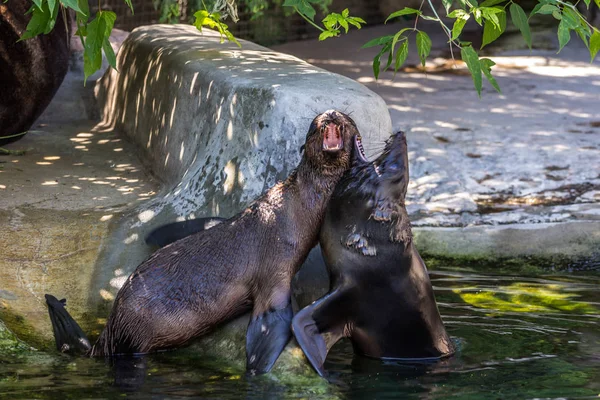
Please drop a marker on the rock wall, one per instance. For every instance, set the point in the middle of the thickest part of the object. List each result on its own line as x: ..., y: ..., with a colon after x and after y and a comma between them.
x: 219, y: 124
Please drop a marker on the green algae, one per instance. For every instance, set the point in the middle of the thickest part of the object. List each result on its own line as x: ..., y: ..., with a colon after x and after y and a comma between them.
x: 11, y: 348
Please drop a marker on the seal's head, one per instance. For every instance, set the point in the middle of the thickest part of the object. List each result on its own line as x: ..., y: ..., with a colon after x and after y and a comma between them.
x: 383, y: 182
x: 367, y: 205
x: 391, y: 168
x: 329, y: 142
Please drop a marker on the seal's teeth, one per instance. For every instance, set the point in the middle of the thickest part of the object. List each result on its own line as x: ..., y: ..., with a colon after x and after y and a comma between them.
x: 377, y: 171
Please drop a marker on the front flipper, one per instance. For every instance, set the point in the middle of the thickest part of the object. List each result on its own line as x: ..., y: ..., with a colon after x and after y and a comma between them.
x: 68, y: 335
x: 320, y: 325
x: 169, y: 233
x: 267, y: 335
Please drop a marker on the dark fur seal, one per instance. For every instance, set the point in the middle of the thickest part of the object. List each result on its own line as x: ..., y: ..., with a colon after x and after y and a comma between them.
x: 381, y: 297
x: 32, y: 70
x: 246, y: 262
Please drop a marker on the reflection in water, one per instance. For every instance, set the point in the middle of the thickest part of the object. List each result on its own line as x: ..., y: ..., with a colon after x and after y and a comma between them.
x: 517, y: 337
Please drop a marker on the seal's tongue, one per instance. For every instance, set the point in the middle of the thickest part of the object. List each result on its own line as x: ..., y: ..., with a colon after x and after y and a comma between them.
x: 332, y: 138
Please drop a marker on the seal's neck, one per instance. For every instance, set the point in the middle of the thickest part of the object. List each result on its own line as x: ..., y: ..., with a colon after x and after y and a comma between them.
x: 316, y: 184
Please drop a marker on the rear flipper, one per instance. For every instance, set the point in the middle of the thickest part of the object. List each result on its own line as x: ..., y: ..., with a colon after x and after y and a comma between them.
x: 320, y: 325
x: 267, y: 335
x: 167, y: 234
x: 68, y: 335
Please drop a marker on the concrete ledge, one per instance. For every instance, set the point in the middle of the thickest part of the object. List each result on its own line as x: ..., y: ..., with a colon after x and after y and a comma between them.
x: 560, y: 245
x: 219, y: 124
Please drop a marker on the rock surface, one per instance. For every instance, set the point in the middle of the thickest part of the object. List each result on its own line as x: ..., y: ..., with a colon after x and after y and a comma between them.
x: 219, y: 124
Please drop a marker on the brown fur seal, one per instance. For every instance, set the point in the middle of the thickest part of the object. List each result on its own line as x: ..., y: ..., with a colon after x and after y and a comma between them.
x: 31, y: 70
x: 246, y: 262
x: 381, y: 296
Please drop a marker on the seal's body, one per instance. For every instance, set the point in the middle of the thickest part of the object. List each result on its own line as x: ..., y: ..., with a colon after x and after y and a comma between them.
x: 31, y: 71
x: 244, y: 263
x: 381, y: 296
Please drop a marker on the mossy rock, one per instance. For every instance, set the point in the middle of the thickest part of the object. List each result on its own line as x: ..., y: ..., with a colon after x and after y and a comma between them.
x: 11, y: 348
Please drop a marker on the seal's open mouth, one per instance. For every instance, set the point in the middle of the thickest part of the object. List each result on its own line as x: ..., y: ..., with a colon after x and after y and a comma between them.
x: 332, y: 137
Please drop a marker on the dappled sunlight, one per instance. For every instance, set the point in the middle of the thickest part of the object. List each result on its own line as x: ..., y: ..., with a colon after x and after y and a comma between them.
x: 507, y: 145
x: 70, y: 167
x: 192, y: 143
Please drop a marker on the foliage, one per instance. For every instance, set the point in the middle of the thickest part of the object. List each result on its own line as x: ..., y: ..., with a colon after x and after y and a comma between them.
x: 492, y: 15
x: 213, y: 20
x: 94, y: 33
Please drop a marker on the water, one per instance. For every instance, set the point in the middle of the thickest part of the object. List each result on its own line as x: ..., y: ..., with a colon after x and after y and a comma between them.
x: 518, y: 337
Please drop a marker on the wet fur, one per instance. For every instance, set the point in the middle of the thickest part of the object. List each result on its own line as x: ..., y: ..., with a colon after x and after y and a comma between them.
x: 380, y: 293
x: 190, y: 286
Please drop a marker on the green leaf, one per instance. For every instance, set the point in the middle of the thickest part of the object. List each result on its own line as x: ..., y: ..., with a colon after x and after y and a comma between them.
x: 587, y: 3
x: 398, y: 37
x: 470, y: 57
x: 92, y: 53
x: 404, y: 11
x: 378, y: 41
x: 52, y: 21
x: 564, y: 35
x: 303, y: 7
x: 110, y: 18
x: 491, y: 32
x: 346, y: 13
x: 356, y: 21
x: 584, y: 37
x: 202, y: 18
x: 458, y: 26
x: 330, y: 21
x: 390, y: 59
x: 401, y: 55
x: 110, y: 54
x: 51, y: 5
x: 85, y: 10
x: 128, y: 2
x: 520, y: 20
x: 571, y: 18
x: 327, y: 34
x: 344, y: 25
x: 377, y: 61
x: 489, y: 3
x: 543, y: 9
x: 557, y: 15
x: 447, y: 4
x: 492, y: 14
x: 486, y: 68
x: 459, y: 13
x: 597, y: 3
x: 423, y: 46
x: 462, y: 4
x: 41, y: 20
x: 477, y: 15
x: 38, y: 3
x: 71, y: 4
x: 594, y: 44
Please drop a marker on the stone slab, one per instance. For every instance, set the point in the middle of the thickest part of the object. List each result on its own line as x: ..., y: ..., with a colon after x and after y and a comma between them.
x: 219, y: 124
